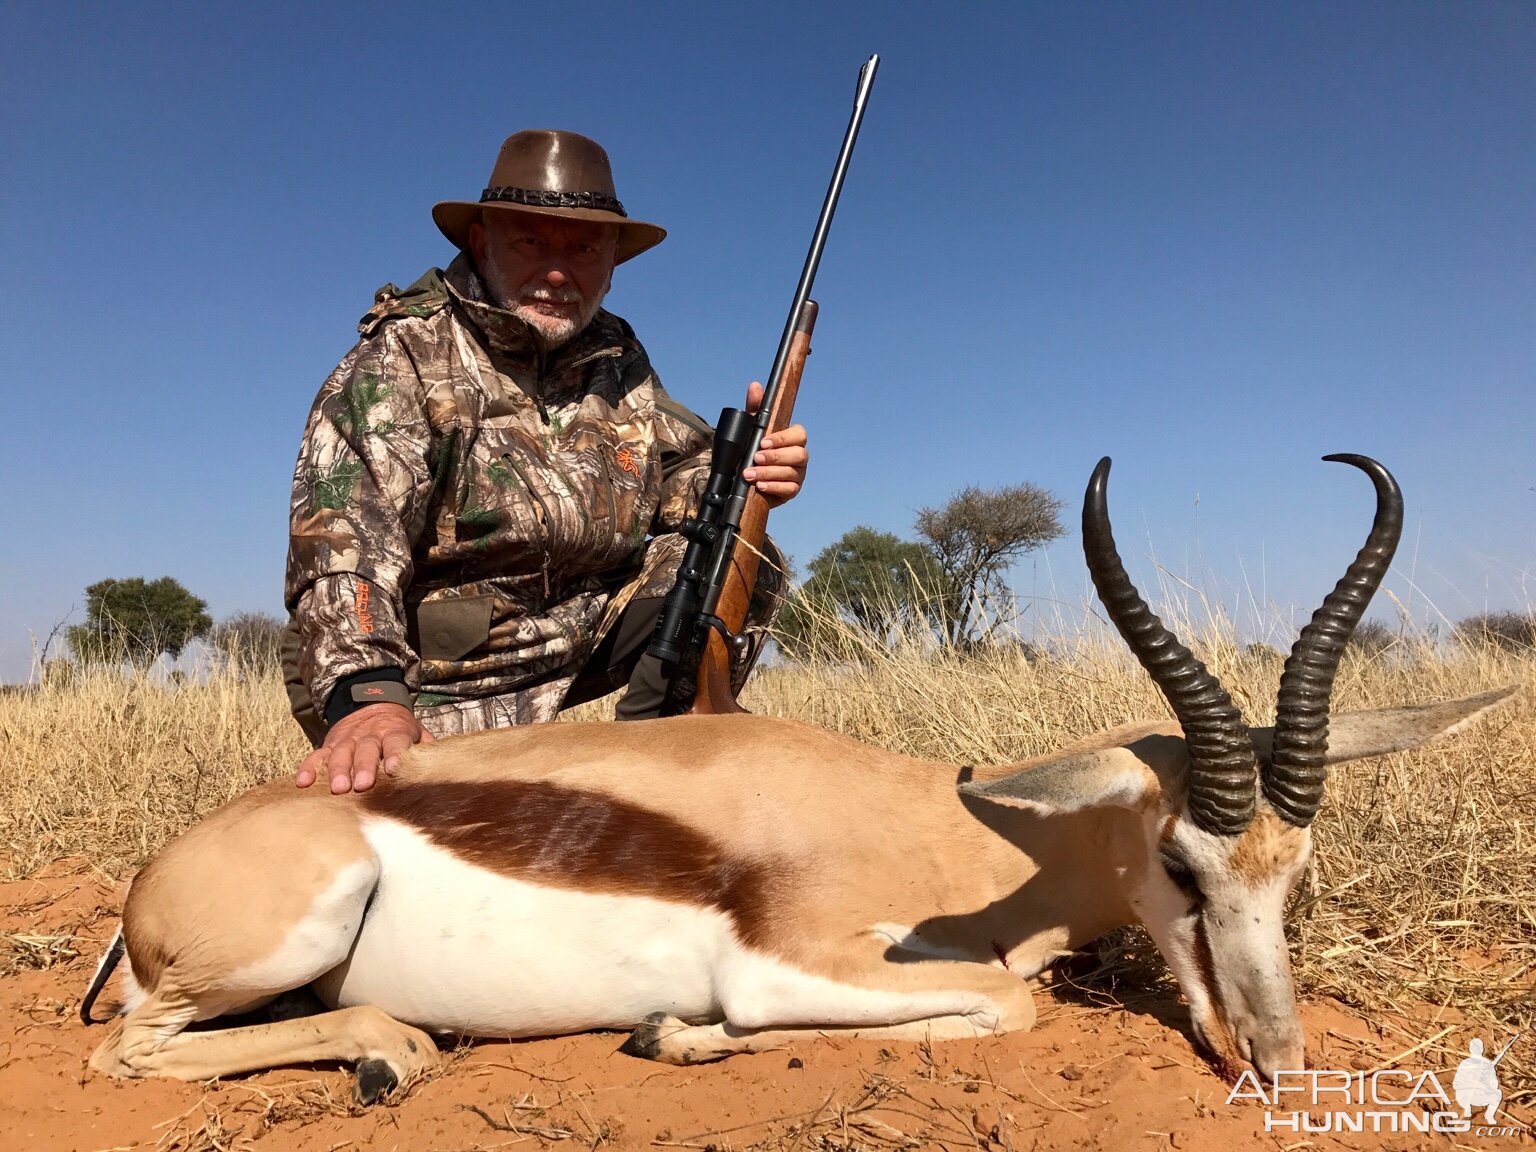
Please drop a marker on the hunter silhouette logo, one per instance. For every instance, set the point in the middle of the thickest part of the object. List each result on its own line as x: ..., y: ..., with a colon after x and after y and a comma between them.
x: 626, y: 461
x: 1477, y: 1081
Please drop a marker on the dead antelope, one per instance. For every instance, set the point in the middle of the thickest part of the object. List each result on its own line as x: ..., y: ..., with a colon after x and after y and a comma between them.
x: 732, y: 883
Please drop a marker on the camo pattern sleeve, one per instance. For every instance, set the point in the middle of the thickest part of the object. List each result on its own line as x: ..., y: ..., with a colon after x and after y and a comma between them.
x: 359, y: 502
x: 685, y: 440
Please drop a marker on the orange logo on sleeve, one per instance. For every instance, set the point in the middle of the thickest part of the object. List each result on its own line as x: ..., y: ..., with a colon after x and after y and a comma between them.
x: 627, y: 462
x: 364, y: 617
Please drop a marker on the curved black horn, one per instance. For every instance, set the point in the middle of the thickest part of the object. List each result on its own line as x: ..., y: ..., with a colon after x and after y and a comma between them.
x: 1293, y: 782
x: 1222, y: 766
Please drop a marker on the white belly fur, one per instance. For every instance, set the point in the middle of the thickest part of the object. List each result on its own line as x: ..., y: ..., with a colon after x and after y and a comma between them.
x: 453, y: 947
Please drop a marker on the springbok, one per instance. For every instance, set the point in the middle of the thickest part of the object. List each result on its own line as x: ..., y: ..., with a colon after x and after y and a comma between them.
x: 733, y: 883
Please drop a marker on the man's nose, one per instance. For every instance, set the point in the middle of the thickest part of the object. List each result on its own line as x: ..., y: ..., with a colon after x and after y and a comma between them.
x: 556, y: 277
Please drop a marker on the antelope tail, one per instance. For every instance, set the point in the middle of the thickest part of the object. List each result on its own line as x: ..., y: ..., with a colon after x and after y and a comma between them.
x: 104, y: 970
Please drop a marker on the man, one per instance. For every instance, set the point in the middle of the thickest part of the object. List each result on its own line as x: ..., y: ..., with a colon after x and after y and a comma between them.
x: 485, y: 502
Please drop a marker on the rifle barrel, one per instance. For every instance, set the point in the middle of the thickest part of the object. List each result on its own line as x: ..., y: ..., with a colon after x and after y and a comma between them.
x: 807, y: 277
x: 1506, y: 1048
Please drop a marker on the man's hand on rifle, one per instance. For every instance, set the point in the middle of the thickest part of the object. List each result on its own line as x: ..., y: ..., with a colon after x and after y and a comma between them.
x: 778, y: 469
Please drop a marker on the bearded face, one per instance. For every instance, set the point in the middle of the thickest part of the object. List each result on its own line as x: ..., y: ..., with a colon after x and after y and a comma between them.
x: 550, y: 272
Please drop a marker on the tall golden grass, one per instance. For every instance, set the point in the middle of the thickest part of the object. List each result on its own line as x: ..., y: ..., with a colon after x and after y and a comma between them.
x: 1421, y: 901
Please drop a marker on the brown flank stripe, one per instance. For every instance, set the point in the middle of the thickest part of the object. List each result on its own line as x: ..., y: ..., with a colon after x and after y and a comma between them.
x: 536, y: 831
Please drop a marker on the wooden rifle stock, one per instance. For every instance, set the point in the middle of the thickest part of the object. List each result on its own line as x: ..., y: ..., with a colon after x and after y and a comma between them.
x: 737, y: 517
x: 713, y: 694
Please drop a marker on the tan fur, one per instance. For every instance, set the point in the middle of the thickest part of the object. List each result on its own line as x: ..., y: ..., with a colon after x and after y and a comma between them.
x: 833, y: 860
x: 302, y: 838
x: 691, y: 767
x: 1270, y: 847
x: 197, y: 913
x: 682, y: 1043
x: 139, y: 1046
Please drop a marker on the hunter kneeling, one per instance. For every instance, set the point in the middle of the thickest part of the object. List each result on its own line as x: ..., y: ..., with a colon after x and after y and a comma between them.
x: 485, y: 506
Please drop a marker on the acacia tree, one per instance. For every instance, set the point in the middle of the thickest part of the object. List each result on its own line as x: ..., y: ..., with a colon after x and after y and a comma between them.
x: 136, y: 620
x: 874, y: 580
x: 974, y: 538
x: 878, y: 578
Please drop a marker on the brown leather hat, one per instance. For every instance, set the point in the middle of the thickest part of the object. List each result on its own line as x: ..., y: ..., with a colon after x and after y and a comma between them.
x: 551, y: 174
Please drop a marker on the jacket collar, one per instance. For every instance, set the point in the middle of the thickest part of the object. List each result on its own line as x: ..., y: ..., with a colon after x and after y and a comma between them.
x: 516, y: 339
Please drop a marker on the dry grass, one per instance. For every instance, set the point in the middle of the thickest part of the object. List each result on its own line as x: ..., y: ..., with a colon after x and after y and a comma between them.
x: 233, y: 1117
x: 114, y: 766
x: 1421, y: 903
x: 21, y: 951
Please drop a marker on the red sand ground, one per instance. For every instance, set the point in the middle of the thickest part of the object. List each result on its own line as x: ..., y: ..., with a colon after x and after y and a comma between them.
x: 1122, y: 1076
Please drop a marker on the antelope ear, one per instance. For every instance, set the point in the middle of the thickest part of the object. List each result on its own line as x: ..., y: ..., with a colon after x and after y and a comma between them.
x: 1359, y: 734
x: 1356, y: 735
x: 1111, y: 778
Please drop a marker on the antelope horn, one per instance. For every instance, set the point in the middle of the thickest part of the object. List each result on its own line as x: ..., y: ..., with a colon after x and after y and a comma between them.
x: 1293, y: 782
x: 1222, y: 766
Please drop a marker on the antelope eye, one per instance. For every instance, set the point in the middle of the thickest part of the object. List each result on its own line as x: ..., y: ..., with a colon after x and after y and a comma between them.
x: 1180, y: 873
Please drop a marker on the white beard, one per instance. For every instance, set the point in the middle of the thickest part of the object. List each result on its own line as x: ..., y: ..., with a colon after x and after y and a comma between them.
x: 555, y: 330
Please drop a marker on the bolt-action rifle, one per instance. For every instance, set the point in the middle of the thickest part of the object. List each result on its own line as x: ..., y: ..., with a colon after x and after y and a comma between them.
x: 703, y: 616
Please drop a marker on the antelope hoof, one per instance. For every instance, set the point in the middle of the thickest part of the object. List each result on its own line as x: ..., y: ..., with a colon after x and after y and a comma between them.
x: 375, y: 1080
x: 645, y: 1040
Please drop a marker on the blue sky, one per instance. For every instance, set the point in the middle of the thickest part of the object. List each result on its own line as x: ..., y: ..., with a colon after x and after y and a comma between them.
x: 1213, y: 241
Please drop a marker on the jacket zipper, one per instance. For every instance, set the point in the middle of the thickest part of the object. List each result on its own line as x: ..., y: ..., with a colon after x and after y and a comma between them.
x: 543, y: 509
x: 543, y: 517
x: 600, y: 354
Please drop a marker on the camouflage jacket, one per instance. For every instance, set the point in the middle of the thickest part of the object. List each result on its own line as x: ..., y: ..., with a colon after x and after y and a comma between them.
x: 464, y: 505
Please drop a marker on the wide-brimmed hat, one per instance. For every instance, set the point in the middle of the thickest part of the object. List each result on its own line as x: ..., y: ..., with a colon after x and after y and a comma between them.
x: 551, y: 174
